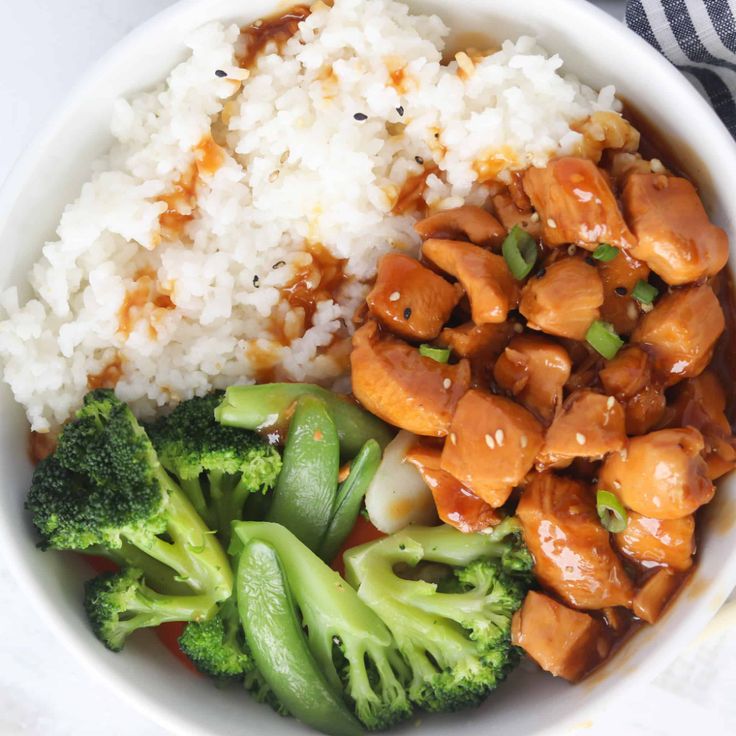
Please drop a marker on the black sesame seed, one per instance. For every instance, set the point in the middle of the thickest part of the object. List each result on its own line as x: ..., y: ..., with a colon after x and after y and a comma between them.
x: 407, y: 313
x: 256, y: 281
x: 620, y: 290
x: 360, y: 116
x: 278, y: 264
x: 400, y: 110
x: 419, y: 160
x: 220, y: 73
x: 590, y: 260
x: 541, y: 273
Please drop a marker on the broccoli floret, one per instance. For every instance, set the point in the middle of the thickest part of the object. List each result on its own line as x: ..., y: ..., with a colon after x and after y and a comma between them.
x: 353, y: 647
x: 119, y: 603
x: 455, y: 635
x: 217, y: 466
x: 104, y: 489
x: 216, y: 647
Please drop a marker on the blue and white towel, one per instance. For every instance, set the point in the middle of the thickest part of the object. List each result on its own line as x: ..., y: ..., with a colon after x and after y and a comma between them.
x: 699, y: 37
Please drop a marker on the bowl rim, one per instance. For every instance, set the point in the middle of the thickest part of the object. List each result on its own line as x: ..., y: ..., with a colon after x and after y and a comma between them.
x: 702, y: 609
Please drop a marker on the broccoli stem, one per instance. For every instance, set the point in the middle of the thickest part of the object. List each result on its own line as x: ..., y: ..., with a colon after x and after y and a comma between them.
x: 199, y: 562
x: 193, y: 488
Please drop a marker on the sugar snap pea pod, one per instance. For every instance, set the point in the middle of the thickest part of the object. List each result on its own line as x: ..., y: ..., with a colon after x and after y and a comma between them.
x: 268, y: 405
x: 349, y: 498
x: 305, y: 491
x: 279, y: 647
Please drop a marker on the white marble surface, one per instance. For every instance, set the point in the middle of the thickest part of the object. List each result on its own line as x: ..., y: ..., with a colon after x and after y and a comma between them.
x: 45, y: 45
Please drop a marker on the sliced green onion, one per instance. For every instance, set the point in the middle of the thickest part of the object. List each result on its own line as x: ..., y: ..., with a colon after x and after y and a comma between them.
x: 520, y: 252
x: 605, y: 252
x: 611, y: 512
x: 603, y: 338
x: 644, y: 292
x: 441, y: 355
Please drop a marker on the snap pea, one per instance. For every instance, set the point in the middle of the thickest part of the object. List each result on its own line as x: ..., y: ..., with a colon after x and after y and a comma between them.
x: 305, y: 491
x: 279, y: 647
x: 268, y: 405
x: 349, y: 498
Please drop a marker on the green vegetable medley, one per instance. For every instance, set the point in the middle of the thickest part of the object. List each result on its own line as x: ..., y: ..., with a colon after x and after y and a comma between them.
x: 210, y: 525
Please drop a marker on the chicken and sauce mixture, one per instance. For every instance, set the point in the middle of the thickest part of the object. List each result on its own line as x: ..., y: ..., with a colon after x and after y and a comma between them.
x: 560, y: 355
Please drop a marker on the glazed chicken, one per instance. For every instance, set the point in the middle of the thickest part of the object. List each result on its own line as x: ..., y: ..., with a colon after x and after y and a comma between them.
x: 675, y: 236
x: 395, y: 382
x: 563, y: 299
x: 486, y: 278
x: 576, y: 205
x: 456, y: 504
x: 491, y: 445
x: 534, y: 370
x: 661, y: 474
x: 562, y: 641
x: 583, y: 392
x: 572, y: 552
x: 475, y: 223
x: 648, y: 541
x: 589, y: 425
x: 619, y: 277
x: 630, y: 378
x: 409, y: 299
x: 701, y: 403
x: 681, y: 331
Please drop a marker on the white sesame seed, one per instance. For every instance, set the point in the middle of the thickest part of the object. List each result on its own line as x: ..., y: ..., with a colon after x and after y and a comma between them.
x: 571, y: 250
x: 616, y: 485
x: 453, y: 438
x: 580, y: 437
x: 624, y: 454
x: 523, y: 441
x: 394, y: 296
x: 610, y: 402
x: 518, y: 327
x: 447, y: 383
x: 656, y: 166
x: 551, y: 223
x: 273, y: 176
x: 490, y: 442
x: 534, y: 217
x: 499, y: 437
x: 631, y: 311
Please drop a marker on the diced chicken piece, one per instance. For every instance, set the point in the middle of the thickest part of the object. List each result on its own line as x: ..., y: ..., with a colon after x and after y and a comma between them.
x: 534, y: 369
x: 393, y: 381
x: 576, y: 205
x: 675, y: 236
x: 563, y: 299
x: 650, y: 541
x: 589, y: 425
x: 701, y: 403
x: 511, y: 215
x: 456, y: 504
x: 619, y: 277
x: 629, y: 378
x: 491, y: 446
x: 561, y: 641
x: 572, y: 551
x: 486, y: 278
x: 652, y: 598
x: 682, y: 330
x: 409, y: 299
x: 475, y: 223
x: 660, y: 474
x: 606, y: 130
x: 477, y: 341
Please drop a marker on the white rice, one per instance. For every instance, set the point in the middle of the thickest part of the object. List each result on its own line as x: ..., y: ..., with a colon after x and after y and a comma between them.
x: 297, y: 169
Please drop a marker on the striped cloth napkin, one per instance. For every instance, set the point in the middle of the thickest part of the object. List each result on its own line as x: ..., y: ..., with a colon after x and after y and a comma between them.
x: 699, y: 37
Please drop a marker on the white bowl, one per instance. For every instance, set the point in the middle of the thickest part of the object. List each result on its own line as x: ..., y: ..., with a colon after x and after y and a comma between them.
x: 601, y: 51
